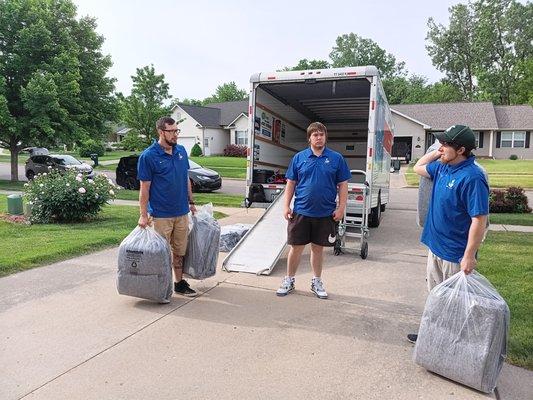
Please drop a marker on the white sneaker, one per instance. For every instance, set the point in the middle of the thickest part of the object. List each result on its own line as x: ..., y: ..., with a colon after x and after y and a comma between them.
x: 317, y: 287
x: 287, y: 286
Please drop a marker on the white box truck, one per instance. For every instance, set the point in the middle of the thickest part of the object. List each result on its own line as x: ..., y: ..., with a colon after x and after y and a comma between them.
x: 349, y: 101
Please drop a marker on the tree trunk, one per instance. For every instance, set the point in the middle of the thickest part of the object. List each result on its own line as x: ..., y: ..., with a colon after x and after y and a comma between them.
x: 14, y: 162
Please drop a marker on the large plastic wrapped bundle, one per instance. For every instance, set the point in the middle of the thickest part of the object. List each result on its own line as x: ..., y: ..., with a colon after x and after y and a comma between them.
x: 425, y: 189
x: 144, y: 266
x: 200, y: 260
x: 231, y: 234
x: 463, y: 333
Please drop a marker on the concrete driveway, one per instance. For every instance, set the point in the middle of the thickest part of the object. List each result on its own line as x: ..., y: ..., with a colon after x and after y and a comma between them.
x: 66, y: 334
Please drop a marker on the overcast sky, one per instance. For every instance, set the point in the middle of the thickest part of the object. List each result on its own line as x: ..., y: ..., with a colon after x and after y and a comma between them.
x: 200, y: 44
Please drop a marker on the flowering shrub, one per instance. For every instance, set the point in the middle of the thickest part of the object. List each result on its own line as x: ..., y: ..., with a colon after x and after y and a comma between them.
x: 511, y: 200
x: 235, y: 150
x: 67, y: 197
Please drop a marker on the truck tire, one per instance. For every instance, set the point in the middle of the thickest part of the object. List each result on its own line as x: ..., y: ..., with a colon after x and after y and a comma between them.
x: 375, y: 214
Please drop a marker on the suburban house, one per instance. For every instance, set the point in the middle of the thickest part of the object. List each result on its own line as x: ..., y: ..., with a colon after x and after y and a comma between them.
x: 213, y: 126
x: 501, y: 131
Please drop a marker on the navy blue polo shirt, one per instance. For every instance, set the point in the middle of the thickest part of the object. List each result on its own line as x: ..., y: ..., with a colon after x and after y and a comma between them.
x: 169, y: 175
x: 316, y: 181
x: 460, y: 192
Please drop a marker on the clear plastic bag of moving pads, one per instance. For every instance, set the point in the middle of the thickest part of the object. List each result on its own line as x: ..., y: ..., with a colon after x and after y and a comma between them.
x: 201, y: 258
x: 463, y: 332
x: 144, y: 266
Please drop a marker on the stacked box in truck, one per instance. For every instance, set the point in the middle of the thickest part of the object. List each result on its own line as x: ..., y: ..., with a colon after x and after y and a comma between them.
x: 349, y: 101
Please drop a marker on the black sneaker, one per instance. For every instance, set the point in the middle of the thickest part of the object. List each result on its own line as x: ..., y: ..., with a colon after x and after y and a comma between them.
x: 412, y: 337
x: 183, y: 288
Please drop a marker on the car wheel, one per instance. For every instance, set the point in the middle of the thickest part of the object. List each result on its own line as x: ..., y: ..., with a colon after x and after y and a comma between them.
x: 130, y: 183
x: 30, y: 175
x: 194, y: 188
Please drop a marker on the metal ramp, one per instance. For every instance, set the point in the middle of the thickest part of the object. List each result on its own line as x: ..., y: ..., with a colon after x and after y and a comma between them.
x: 259, y: 250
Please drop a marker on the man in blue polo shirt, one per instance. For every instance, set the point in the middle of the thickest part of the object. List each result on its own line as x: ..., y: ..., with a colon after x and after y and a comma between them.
x: 313, y: 178
x: 457, y: 216
x: 166, y: 196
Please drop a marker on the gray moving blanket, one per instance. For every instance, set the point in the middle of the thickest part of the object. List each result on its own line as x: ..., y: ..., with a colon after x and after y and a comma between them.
x: 201, y: 258
x: 231, y: 234
x: 144, y: 266
x: 425, y: 188
x: 463, y: 332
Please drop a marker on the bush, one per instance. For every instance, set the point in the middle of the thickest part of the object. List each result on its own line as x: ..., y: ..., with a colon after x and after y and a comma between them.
x: 132, y: 142
x: 67, y: 197
x: 513, y: 157
x: 196, y: 150
x: 511, y: 200
x: 91, y: 147
x: 235, y: 150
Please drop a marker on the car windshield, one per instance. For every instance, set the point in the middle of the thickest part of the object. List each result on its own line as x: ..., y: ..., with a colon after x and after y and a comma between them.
x: 66, y: 160
x: 193, y: 165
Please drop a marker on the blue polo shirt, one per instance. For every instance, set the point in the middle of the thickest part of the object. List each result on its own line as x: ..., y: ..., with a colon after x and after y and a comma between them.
x: 316, y: 181
x: 169, y: 175
x: 460, y: 192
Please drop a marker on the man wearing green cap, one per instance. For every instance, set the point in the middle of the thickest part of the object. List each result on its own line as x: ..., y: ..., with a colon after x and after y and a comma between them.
x: 458, y: 209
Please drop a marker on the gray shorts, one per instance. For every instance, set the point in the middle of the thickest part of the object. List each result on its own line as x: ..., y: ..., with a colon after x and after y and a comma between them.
x: 438, y: 270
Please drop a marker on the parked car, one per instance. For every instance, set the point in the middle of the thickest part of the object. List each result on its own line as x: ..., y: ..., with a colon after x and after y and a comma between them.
x: 202, y: 179
x: 38, y: 164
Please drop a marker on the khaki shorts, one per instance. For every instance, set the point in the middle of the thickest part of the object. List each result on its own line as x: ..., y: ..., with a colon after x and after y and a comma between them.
x: 175, y: 230
x: 438, y: 270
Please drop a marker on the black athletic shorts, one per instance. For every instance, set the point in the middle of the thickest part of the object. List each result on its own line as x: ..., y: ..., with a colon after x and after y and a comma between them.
x: 318, y: 230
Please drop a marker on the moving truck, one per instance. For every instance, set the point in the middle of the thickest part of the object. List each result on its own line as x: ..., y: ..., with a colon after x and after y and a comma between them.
x: 349, y: 101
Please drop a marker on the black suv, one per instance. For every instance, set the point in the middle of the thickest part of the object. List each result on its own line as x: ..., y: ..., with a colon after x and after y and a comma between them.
x: 202, y: 179
x: 39, y: 164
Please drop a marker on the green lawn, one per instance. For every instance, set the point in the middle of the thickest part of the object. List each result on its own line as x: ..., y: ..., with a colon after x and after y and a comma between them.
x: 7, y: 185
x: 505, y: 260
x: 218, y: 199
x: 512, y: 219
x: 24, y: 247
x: 502, y: 173
x: 227, y: 167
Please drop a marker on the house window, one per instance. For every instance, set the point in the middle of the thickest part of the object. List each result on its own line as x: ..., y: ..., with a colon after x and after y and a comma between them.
x: 513, y: 139
x: 476, y: 135
x: 206, y: 142
x: 241, y: 138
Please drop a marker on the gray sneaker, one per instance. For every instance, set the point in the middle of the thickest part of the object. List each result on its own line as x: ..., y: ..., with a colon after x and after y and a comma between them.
x: 317, y: 287
x: 287, y: 286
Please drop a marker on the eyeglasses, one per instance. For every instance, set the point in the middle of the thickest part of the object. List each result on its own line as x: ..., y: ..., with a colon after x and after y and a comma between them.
x: 173, y: 131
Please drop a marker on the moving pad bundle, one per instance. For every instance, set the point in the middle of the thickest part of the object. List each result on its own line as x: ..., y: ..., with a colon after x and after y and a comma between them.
x: 231, y: 234
x: 200, y: 260
x: 463, y: 332
x: 144, y: 266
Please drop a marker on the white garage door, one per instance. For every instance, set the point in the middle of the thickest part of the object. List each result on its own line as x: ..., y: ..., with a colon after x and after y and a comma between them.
x: 187, y: 142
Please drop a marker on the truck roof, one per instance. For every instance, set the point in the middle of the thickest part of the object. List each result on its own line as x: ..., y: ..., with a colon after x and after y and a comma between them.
x: 341, y: 73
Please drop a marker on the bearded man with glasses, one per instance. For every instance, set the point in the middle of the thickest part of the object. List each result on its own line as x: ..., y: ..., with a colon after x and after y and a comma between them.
x: 165, y: 197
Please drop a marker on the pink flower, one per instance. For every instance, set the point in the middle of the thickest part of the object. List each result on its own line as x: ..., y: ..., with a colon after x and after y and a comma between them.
x: 82, y: 190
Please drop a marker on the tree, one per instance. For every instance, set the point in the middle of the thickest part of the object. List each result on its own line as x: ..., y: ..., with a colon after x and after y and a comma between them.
x: 305, y: 64
x: 53, y: 87
x: 226, y: 92
x: 146, y: 104
x: 352, y: 50
x: 452, y: 49
x: 485, y: 49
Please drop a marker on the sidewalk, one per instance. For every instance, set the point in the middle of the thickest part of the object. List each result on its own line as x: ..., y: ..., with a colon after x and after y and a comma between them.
x: 66, y: 334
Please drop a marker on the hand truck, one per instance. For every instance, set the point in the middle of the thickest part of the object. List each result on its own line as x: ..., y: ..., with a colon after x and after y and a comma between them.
x: 355, y: 221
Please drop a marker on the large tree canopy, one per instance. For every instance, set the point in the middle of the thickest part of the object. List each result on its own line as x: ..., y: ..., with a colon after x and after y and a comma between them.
x: 226, y: 92
x: 486, y: 50
x: 54, y: 87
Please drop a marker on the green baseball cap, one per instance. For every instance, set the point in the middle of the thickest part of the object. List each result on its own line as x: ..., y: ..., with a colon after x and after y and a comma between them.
x: 458, y: 134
